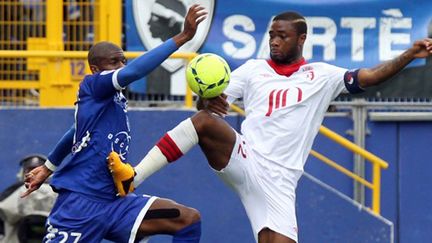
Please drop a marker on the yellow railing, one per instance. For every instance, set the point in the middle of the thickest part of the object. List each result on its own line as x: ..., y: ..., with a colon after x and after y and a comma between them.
x: 61, y: 75
x: 50, y: 60
x: 377, y: 163
x: 42, y: 66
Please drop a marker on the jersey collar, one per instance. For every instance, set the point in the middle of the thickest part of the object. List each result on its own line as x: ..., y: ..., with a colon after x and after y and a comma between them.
x: 286, y: 70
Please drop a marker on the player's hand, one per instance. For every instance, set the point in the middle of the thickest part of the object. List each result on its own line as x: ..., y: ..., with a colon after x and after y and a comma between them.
x: 217, y: 105
x: 422, y: 48
x: 122, y: 173
x: 35, y: 178
x: 194, y: 17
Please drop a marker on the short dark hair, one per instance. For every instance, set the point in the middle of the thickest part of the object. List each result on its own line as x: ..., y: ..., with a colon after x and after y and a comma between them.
x: 299, y: 21
x: 97, y: 51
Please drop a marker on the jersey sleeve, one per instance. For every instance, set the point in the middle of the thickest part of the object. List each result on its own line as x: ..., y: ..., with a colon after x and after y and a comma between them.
x: 335, y: 78
x: 237, y: 82
x: 144, y: 64
x: 104, y: 84
x: 61, y: 150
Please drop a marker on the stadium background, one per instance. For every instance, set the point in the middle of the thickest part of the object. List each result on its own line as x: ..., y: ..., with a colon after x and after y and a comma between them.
x: 392, y: 121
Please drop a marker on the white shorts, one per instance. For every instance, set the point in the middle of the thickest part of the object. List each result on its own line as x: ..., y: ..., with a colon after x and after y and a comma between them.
x: 266, y: 190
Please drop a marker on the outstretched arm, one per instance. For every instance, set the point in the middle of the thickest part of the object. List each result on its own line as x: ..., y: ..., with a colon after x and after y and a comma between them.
x: 144, y: 64
x: 36, y: 177
x: 376, y: 75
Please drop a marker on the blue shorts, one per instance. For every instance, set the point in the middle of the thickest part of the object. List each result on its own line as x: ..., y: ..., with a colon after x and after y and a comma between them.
x: 78, y: 218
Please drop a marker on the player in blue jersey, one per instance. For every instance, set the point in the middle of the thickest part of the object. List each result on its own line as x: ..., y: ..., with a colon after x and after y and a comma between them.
x: 87, y: 208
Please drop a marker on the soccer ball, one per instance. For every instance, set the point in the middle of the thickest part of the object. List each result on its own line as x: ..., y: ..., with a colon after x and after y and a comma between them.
x: 208, y: 75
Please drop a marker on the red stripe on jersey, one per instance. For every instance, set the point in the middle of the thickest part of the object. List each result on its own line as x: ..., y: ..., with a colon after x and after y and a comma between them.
x: 270, y: 108
x: 169, y: 148
x: 300, y: 94
x: 278, y: 99
x: 284, y: 97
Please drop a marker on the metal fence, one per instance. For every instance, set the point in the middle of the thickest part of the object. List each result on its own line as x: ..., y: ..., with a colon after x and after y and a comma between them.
x: 71, y: 25
x: 18, y: 22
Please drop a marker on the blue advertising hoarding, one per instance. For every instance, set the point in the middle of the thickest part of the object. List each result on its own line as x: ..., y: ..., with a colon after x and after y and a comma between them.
x: 347, y: 33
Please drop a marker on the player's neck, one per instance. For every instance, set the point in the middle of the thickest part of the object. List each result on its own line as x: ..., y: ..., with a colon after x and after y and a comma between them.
x: 286, y: 69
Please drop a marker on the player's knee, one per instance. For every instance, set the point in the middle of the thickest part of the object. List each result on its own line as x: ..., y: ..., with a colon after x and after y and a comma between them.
x: 191, y: 228
x: 190, y: 216
x: 204, y: 122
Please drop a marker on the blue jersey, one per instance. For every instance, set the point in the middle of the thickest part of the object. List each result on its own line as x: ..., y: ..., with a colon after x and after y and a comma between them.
x: 87, y: 208
x: 101, y: 126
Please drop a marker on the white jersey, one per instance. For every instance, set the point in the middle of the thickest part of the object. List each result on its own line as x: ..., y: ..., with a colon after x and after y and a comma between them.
x: 283, y: 114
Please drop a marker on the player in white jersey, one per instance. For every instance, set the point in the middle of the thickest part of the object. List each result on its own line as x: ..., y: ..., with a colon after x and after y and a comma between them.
x: 285, y: 101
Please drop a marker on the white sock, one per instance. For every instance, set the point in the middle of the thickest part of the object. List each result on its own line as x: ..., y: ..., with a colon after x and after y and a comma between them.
x: 169, y: 148
x: 152, y: 162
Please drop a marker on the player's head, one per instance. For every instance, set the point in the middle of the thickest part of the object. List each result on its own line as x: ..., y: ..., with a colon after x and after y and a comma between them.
x: 30, y: 162
x: 287, y: 36
x: 105, y: 56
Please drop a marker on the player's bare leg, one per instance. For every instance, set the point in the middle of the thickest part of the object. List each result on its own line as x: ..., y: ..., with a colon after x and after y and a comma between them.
x: 216, y: 138
x: 269, y: 236
x: 168, y: 217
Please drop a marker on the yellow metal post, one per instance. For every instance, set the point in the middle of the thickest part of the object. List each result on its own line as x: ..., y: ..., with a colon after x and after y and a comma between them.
x: 54, y: 24
x: 376, y: 193
x: 108, y: 21
x: 188, y: 95
x: 56, y: 87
